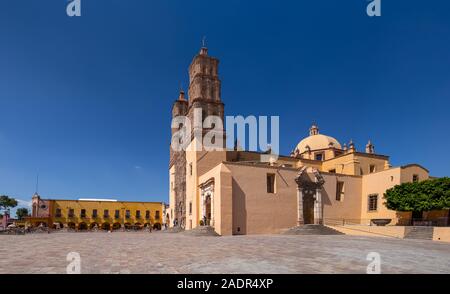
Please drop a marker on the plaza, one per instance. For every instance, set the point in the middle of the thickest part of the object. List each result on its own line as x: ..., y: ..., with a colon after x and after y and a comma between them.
x: 159, y: 253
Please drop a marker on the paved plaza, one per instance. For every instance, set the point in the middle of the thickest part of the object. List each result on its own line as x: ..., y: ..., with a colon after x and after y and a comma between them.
x: 161, y: 253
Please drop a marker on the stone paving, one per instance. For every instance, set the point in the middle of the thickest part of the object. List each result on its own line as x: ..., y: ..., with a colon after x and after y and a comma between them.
x: 161, y: 253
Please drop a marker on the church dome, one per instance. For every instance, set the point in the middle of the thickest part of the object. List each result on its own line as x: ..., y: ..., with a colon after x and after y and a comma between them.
x: 317, y: 141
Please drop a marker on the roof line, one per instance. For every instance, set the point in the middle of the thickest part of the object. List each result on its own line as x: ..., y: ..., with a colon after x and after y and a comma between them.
x: 414, y: 164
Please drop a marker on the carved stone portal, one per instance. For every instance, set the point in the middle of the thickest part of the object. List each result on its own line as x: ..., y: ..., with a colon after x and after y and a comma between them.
x: 207, y: 203
x: 309, y: 196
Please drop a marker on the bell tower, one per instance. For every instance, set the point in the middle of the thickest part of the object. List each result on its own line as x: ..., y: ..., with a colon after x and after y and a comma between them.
x: 205, y: 94
x: 204, y: 83
x: 205, y: 87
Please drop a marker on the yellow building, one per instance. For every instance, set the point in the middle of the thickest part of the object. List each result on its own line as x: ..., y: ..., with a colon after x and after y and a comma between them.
x: 87, y: 214
x: 236, y: 192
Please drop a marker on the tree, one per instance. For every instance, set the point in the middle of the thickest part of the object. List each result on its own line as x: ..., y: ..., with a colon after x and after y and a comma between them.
x: 6, y: 203
x: 417, y: 197
x: 21, y: 213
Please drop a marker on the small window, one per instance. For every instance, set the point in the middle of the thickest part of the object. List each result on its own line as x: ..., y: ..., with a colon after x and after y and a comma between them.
x: 127, y: 214
x: 106, y: 213
x: 340, y: 191
x: 83, y: 213
x: 94, y: 213
x: 58, y: 212
x: 190, y: 168
x: 138, y: 214
x: 372, y: 168
x: 147, y: 214
x: 332, y: 171
x: 157, y: 214
x: 271, y: 183
x: 117, y: 214
x: 373, y: 202
x: 415, y: 178
x: 319, y: 156
x: 71, y: 212
x: 190, y: 208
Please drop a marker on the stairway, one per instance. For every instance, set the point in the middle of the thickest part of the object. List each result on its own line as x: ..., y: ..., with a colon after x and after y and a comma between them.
x: 420, y: 233
x: 312, y: 230
x: 201, y: 231
x: 174, y: 230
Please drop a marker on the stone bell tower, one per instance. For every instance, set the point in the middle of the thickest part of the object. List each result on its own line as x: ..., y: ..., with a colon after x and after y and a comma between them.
x: 205, y: 87
x: 204, y: 94
x: 178, y: 161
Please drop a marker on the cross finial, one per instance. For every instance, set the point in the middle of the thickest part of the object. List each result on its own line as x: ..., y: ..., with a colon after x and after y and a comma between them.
x: 204, y: 42
x: 204, y: 50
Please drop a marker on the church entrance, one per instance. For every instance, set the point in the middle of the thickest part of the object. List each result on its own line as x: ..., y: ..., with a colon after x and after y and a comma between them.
x: 207, y: 220
x: 309, y: 198
x: 207, y: 203
x: 308, y: 206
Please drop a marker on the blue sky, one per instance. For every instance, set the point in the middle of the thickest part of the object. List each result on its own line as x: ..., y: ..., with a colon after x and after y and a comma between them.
x: 86, y: 101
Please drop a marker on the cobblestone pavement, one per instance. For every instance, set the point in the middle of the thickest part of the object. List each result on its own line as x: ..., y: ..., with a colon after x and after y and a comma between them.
x: 160, y: 253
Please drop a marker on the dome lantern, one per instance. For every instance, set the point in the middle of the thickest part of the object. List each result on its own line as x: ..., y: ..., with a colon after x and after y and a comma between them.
x: 314, y: 130
x: 317, y: 141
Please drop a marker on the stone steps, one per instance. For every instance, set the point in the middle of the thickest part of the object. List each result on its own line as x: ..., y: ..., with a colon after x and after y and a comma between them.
x: 202, y: 231
x: 312, y: 230
x: 174, y: 230
x: 420, y: 233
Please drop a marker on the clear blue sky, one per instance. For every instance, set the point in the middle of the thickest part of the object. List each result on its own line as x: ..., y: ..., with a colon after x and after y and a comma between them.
x: 86, y: 101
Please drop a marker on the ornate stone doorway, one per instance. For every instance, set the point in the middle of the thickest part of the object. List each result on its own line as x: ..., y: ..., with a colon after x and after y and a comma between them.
x: 207, y: 216
x: 309, y: 196
x: 207, y: 203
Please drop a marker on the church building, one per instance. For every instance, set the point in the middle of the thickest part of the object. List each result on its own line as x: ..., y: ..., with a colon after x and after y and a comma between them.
x: 236, y: 193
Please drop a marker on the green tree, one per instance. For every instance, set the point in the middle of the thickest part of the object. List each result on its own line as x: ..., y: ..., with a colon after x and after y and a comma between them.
x: 6, y: 203
x: 428, y: 195
x: 21, y: 213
